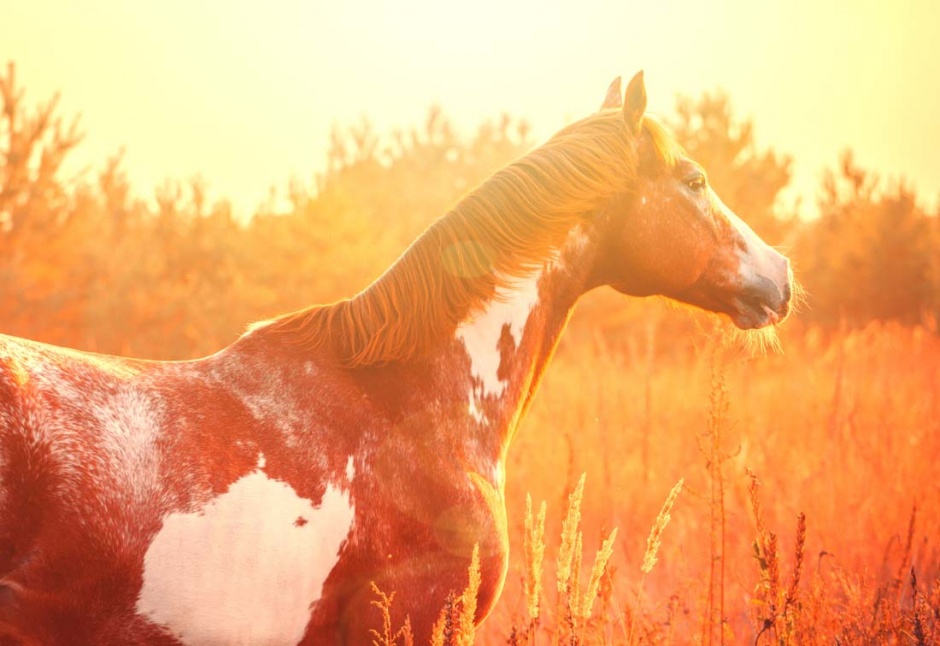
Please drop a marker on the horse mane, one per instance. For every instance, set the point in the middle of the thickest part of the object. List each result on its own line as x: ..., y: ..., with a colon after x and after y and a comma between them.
x: 505, y: 229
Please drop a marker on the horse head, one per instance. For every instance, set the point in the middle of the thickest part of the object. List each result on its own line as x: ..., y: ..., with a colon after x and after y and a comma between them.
x: 673, y: 236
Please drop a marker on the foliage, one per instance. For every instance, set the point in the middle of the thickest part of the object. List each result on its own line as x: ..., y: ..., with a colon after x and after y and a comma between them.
x: 873, y: 252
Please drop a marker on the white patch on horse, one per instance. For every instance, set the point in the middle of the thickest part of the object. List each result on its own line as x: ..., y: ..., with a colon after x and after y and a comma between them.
x: 130, y: 422
x: 575, y: 242
x: 350, y: 469
x: 310, y: 368
x: 473, y: 409
x: 481, y: 333
x: 247, y: 568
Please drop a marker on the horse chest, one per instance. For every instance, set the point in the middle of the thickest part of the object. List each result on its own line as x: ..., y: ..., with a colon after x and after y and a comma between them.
x: 247, y: 567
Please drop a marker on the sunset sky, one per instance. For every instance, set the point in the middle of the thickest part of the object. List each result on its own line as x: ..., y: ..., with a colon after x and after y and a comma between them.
x: 245, y: 93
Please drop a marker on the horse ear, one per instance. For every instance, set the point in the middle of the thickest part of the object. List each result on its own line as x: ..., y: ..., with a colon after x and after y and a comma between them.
x: 634, y: 102
x: 613, y: 98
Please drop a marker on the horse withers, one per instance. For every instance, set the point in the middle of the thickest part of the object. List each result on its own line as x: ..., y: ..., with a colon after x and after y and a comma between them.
x: 252, y: 496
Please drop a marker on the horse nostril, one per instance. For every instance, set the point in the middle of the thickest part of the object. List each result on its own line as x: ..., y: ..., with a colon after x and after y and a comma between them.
x: 786, y: 292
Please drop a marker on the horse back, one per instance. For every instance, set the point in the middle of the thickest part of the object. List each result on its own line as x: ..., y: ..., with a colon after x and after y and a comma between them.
x: 87, y: 446
x: 121, y: 482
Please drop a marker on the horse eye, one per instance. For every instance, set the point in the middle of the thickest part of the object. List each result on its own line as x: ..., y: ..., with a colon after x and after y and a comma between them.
x: 697, y: 183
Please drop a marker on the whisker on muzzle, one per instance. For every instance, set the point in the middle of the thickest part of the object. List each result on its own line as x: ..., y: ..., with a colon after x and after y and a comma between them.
x: 758, y: 342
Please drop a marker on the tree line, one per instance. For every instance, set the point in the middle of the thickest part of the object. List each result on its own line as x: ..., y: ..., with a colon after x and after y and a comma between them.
x: 88, y: 263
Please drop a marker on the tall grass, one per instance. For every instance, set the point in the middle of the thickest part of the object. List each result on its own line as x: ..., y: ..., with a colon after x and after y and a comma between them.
x: 841, y: 431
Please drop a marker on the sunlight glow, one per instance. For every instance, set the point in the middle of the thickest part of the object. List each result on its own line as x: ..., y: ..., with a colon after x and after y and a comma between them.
x: 245, y: 96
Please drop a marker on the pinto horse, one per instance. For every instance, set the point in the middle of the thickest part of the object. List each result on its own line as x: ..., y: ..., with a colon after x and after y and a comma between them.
x: 251, y: 497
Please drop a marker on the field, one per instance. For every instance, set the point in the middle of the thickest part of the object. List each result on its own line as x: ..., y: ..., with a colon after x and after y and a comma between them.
x: 841, y: 427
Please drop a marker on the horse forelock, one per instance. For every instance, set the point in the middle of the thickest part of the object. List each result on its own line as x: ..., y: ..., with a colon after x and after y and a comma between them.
x: 504, y: 230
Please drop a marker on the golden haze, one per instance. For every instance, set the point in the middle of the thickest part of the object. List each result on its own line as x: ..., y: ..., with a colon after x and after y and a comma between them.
x: 245, y: 95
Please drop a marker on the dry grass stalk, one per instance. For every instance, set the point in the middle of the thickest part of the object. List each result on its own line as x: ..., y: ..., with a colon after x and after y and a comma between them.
x: 387, y: 637
x: 783, y: 608
x: 468, y: 602
x: 753, y: 490
x: 456, y: 625
x: 918, y: 611
x: 654, y: 540
x: 785, y: 620
x: 776, y: 616
x: 570, y: 546
x: 534, y: 547
x: 443, y: 632
x: 569, y: 530
x: 932, y: 603
x: 597, y: 574
x: 906, y: 554
x: 710, y: 445
x: 773, y: 577
x: 574, y: 585
x: 798, y: 553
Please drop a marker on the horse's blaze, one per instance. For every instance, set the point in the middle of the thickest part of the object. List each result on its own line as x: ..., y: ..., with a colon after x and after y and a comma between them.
x: 246, y: 567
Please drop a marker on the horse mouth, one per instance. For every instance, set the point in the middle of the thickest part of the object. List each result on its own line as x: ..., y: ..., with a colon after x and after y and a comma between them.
x: 752, y: 312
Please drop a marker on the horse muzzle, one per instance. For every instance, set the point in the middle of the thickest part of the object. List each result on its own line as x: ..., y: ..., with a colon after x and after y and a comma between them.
x: 763, y: 301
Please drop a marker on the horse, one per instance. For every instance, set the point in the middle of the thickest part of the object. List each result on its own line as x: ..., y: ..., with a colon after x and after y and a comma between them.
x: 255, y: 495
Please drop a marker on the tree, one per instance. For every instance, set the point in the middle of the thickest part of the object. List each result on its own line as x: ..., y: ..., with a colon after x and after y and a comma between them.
x: 34, y: 145
x: 872, y: 252
x: 36, y: 259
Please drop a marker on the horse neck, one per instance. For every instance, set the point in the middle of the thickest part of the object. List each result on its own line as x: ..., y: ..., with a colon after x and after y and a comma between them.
x: 510, y: 341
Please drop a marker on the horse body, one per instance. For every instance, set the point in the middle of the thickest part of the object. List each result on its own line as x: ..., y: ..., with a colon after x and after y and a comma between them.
x: 251, y: 497
x: 138, y: 494
x: 143, y: 499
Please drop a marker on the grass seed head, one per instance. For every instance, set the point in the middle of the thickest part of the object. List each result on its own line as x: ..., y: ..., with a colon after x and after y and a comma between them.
x: 653, y: 541
x: 569, y: 531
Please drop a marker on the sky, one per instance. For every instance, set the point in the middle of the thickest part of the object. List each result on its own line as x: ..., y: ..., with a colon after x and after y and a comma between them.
x: 244, y: 94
